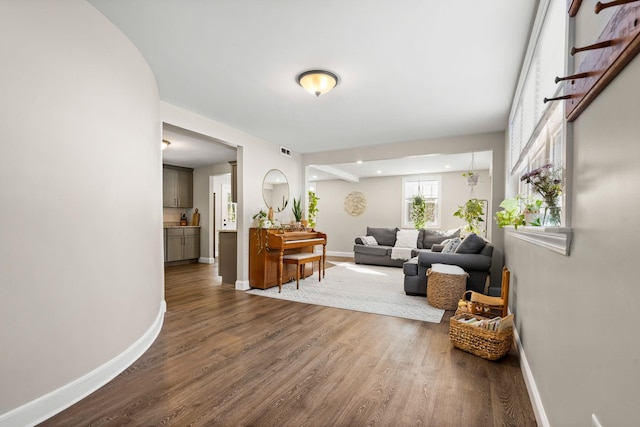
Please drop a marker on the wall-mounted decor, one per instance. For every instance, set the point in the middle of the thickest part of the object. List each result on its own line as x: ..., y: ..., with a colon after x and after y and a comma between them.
x: 355, y: 203
x: 603, y: 60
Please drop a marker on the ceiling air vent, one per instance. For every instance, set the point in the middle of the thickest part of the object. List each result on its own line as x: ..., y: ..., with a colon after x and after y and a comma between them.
x: 285, y: 151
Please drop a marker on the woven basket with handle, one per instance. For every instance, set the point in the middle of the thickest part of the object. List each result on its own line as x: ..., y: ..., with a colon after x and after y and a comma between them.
x: 490, y: 345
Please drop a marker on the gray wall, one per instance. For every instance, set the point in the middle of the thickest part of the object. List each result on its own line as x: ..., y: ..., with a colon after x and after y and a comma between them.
x: 81, y: 263
x: 576, y: 315
x: 384, y: 206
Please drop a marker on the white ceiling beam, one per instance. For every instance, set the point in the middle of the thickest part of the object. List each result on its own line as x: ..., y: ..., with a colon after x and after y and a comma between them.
x: 337, y: 173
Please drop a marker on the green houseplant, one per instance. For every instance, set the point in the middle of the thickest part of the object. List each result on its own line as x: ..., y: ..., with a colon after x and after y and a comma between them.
x: 472, y: 212
x: 260, y: 218
x: 510, y: 213
x: 313, y: 208
x: 418, y: 211
x: 297, y: 210
x: 261, y: 222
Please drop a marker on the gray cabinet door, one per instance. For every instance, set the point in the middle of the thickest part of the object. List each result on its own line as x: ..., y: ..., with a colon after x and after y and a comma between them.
x: 177, y: 188
x: 169, y: 185
x: 175, y: 243
x: 191, y: 247
x: 184, y: 189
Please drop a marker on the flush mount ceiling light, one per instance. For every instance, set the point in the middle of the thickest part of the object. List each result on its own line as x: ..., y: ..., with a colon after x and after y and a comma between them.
x: 165, y: 144
x: 318, y: 82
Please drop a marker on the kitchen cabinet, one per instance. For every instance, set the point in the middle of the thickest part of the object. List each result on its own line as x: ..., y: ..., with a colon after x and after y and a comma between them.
x: 177, y: 187
x: 182, y: 244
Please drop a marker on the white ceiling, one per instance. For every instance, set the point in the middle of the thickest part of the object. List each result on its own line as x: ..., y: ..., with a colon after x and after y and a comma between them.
x: 409, y: 69
x: 414, y: 165
x: 193, y: 150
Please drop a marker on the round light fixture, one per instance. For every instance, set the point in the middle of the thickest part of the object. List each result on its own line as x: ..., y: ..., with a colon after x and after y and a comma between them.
x: 318, y: 82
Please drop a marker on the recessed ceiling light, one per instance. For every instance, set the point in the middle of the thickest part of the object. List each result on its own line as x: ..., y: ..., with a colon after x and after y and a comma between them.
x: 359, y: 162
x: 379, y: 172
x: 448, y: 166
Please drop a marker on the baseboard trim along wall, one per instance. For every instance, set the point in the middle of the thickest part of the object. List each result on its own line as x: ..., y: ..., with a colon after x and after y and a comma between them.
x: 242, y: 285
x: 203, y: 260
x: 534, y: 395
x: 336, y: 253
x: 52, y: 403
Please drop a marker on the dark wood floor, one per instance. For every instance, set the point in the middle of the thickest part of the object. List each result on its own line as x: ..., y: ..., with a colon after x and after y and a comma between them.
x: 232, y: 359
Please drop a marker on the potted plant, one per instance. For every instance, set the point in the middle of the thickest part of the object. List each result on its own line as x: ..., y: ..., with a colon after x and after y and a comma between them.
x: 472, y: 212
x: 547, y: 182
x: 510, y: 213
x: 531, y: 209
x: 297, y: 210
x: 418, y: 211
x: 262, y: 221
x: 260, y: 218
x: 472, y: 178
x: 313, y: 208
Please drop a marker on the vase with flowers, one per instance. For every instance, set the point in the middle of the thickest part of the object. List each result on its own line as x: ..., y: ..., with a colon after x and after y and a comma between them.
x: 547, y: 182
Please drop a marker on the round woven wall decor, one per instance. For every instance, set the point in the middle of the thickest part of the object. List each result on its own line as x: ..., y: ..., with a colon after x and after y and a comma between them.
x: 355, y: 203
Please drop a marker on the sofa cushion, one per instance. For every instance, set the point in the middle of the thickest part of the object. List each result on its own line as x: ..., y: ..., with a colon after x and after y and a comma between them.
x: 428, y: 238
x: 373, y: 250
x: 384, y: 236
x: 472, y: 244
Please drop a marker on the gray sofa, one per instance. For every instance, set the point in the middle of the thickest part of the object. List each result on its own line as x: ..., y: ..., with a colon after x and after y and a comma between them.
x: 380, y: 253
x: 477, y: 264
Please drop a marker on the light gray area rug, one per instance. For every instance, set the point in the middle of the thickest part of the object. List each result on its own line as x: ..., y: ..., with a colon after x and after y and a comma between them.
x: 371, y: 289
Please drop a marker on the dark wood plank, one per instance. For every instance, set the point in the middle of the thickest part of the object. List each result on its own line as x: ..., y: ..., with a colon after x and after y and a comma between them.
x: 228, y: 358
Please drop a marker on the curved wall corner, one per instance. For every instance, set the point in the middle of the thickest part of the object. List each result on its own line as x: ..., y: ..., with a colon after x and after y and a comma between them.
x: 81, y: 261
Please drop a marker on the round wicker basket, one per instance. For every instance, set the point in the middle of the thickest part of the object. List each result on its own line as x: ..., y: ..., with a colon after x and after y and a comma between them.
x: 445, y: 284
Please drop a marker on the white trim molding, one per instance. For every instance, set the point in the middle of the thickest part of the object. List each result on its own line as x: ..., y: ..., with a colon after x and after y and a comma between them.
x: 336, y: 253
x: 534, y: 395
x: 557, y: 239
x: 204, y: 260
x: 56, y: 401
x: 242, y: 285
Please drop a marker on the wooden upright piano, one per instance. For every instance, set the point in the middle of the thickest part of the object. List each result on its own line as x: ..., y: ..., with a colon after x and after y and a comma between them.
x: 268, y: 246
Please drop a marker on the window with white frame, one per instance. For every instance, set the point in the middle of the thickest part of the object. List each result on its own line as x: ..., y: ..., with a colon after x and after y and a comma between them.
x: 537, y: 131
x: 427, y: 186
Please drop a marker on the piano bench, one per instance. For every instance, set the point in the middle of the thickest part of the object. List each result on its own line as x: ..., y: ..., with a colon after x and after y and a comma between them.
x: 300, y: 259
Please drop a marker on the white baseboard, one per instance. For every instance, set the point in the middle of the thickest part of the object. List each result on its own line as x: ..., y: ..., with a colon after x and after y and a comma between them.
x: 341, y: 254
x: 534, y: 395
x: 56, y: 401
x: 203, y: 260
x: 242, y: 285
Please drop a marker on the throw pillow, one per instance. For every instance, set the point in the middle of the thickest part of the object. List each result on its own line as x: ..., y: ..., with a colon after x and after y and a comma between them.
x: 432, y: 237
x: 472, y: 244
x: 369, y: 241
x: 384, y: 236
x: 406, y: 238
x: 451, y: 245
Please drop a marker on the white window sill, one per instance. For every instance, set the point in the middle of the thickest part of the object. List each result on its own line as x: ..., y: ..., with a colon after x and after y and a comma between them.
x: 557, y: 239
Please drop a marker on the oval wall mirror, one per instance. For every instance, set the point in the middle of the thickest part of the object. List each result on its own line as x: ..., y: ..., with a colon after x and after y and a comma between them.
x: 275, y: 190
